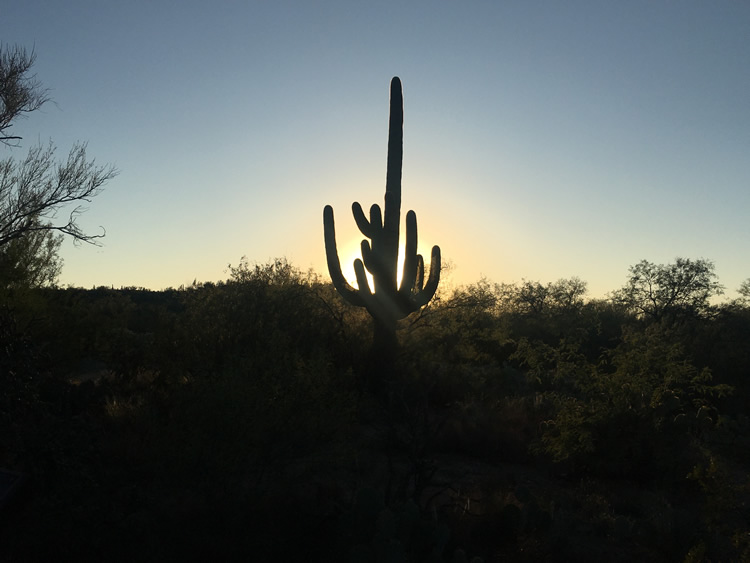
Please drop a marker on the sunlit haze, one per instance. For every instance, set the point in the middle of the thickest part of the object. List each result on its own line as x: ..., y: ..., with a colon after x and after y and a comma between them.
x: 542, y: 140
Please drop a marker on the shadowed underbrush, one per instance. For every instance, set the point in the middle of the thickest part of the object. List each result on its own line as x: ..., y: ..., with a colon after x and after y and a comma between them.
x: 231, y: 421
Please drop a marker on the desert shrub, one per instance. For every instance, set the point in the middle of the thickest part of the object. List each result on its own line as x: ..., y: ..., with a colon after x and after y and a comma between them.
x: 635, y: 413
x: 456, y: 328
x: 214, y: 404
x: 260, y: 314
x: 240, y: 424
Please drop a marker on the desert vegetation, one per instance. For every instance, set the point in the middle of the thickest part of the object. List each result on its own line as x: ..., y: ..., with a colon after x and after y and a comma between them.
x: 521, y: 422
x: 257, y: 419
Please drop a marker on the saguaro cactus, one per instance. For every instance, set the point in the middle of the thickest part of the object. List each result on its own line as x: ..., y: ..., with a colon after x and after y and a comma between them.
x: 388, y: 301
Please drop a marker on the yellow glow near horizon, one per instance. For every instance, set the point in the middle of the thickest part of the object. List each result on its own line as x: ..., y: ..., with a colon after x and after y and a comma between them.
x: 353, y: 252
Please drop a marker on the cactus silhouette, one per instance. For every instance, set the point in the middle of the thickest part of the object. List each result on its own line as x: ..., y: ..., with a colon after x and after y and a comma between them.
x: 388, y: 301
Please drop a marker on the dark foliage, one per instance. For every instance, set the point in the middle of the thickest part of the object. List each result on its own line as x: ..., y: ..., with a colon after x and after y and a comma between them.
x: 228, y: 422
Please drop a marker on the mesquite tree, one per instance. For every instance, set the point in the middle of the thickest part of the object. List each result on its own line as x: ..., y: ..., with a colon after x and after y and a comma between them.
x: 35, y: 189
x: 388, y: 301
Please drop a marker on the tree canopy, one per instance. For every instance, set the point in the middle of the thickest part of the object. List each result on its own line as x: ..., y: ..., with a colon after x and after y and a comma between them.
x: 20, y: 92
x: 35, y: 190
x: 657, y: 290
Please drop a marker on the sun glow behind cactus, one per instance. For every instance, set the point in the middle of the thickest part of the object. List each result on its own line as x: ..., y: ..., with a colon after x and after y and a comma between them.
x: 352, y: 252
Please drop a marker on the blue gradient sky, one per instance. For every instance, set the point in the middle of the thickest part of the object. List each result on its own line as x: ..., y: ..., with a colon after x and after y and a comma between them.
x: 542, y: 139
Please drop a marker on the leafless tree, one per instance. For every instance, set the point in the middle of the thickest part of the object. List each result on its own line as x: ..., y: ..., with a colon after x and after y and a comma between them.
x: 20, y: 91
x: 34, y: 190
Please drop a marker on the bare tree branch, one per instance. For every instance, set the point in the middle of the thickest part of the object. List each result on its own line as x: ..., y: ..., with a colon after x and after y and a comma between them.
x: 20, y: 92
x: 38, y: 187
x: 35, y: 189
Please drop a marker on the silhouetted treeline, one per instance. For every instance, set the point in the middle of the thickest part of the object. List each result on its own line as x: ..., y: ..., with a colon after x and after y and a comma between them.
x: 522, y: 422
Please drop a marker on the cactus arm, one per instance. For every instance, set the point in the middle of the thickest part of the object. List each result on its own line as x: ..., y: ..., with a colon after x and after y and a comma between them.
x: 368, y: 257
x: 369, y: 228
x: 419, y: 281
x: 376, y: 220
x: 409, y: 274
x: 364, y: 225
x: 375, y: 265
x: 334, y: 264
x: 374, y: 303
x: 364, y: 285
x: 423, y: 297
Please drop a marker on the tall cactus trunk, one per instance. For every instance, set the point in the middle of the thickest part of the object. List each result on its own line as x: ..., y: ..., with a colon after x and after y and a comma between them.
x: 384, y: 343
x: 381, y: 366
x: 392, y: 215
x: 389, y: 302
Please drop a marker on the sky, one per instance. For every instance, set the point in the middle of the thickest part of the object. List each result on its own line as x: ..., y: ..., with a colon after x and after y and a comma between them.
x: 542, y: 140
